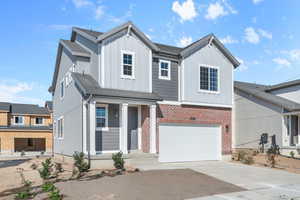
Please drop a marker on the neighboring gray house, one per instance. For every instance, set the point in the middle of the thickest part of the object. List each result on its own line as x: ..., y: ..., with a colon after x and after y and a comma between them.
x: 119, y: 91
x: 268, y: 109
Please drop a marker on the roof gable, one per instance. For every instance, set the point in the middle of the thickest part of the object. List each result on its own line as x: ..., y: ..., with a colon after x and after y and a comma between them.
x: 199, y: 44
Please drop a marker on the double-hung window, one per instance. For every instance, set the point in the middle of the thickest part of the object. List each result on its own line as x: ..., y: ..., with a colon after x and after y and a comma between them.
x: 39, y: 121
x: 18, y: 120
x: 62, y: 89
x: 60, y: 128
x: 127, y: 65
x: 102, y: 117
x: 164, y: 70
x: 209, y: 79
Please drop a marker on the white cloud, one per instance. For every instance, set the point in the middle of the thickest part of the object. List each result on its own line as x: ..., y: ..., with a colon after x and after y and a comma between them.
x: 282, y: 62
x: 242, y: 66
x: 229, y: 7
x: 99, y: 12
x: 215, y: 10
x: 82, y: 3
x: 295, y: 54
x: 184, y: 41
x: 228, y: 40
x: 254, y: 20
x: 251, y: 35
x: 256, y: 1
x: 265, y: 33
x: 124, y: 17
x: 16, y: 91
x: 186, y: 10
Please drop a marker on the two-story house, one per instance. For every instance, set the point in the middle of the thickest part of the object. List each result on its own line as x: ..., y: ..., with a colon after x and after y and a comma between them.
x: 119, y: 91
x: 24, y: 127
x: 271, y: 109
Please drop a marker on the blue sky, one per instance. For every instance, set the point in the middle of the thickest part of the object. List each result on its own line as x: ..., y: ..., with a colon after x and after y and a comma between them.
x: 262, y: 34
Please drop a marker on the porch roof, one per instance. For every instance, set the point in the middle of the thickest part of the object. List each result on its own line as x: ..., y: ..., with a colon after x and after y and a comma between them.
x: 89, y: 86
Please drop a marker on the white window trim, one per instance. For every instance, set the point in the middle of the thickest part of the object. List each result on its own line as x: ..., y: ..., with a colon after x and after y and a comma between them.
x: 18, y: 124
x: 169, y: 70
x: 106, y: 118
x: 63, y: 127
x: 39, y: 124
x: 62, y: 81
x: 133, y: 65
x: 199, y: 78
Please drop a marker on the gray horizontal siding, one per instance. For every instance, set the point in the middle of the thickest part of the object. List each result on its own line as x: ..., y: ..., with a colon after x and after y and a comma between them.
x: 167, y: 89
x: 110, y: 140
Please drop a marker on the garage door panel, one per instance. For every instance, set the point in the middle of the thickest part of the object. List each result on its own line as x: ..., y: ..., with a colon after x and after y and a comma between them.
x: 187, y: 142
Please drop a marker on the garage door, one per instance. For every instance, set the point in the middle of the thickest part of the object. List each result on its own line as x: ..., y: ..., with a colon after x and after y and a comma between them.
x: 188, y: 142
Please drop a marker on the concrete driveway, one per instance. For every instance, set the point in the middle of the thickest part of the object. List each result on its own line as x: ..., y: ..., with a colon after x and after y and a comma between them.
x: 262, y: 183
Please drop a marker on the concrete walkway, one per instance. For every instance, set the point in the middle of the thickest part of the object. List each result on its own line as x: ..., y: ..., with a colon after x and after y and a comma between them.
x: 262, y: 183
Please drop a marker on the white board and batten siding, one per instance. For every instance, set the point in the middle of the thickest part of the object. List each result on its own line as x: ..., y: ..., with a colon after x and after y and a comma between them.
x: 189, y: 142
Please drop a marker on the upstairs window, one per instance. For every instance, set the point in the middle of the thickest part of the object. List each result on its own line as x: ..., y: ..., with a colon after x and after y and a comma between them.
x: 164, y: 70
x: 39, y: 121
x: 102, y: 117
x: 62, y: 89
x: 60, y: 128
x: 18, y: 120
x: 209, y: 79
x: 127, y: 65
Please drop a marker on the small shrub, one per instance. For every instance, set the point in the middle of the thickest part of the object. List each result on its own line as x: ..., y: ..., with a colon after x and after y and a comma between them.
x: 298, y: 151
x: 80, y: 164
x: 58, y: 167
x: 45, y: 172
x: 48, y: 186
x: 292, y: 154
x: 23, y: 195
x: 272, y: 153
x: 248, y: 159
x: 33, y: 166
x: 118, y: 160
x: 22, y: 153
x: 42, y: 153
x: 241, y: 155
x: 26, y: 194
x: 55, y: 195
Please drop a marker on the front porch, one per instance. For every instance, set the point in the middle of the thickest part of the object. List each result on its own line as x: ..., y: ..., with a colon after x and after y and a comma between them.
x: 112, y: 125
x: 291, y: 135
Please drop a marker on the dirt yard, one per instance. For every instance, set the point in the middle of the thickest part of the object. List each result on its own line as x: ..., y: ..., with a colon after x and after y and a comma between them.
x: 282, y: 162
x: 155, y: 184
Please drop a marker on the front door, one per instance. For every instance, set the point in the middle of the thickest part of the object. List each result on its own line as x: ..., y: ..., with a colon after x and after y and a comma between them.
x: 132, y: 141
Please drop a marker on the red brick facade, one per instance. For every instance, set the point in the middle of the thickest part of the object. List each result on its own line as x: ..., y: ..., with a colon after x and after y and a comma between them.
x: 188, y: 114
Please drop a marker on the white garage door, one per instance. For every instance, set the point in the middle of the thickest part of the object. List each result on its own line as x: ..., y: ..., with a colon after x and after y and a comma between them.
x: 188, y: 142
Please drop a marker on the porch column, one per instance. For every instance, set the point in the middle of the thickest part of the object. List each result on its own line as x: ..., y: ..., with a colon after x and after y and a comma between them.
x: 92, y: 117
x: 84, y: 119
x: 123, y: 127
x: 152, y: 129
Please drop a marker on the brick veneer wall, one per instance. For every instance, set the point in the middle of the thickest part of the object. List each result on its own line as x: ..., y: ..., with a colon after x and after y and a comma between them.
x: 188, y: 114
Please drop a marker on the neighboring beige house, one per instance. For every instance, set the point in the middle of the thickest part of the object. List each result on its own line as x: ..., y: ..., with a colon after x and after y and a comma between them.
x: 25, y: 127
x: 271, y: 109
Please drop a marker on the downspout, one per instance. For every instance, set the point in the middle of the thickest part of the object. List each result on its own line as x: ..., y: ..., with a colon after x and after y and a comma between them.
x: 85, y: 103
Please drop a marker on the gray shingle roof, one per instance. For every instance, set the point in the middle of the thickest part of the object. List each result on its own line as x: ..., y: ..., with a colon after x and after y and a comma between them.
x: 75, y: 48
x: 88, y: 85
x: 169, y: 49
x: 90, y: 32
x: 260, y: 91
x: 4, y: 106
x: 284, y: 85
